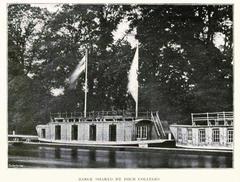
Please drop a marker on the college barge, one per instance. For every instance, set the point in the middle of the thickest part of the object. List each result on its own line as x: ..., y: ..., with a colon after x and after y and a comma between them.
x: 105, y: 128
x: 208, y: 130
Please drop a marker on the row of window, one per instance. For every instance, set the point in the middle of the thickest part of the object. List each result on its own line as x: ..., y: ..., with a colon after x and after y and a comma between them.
x: 142, y: 132
x: 202, y: 135
x: 74, y: 133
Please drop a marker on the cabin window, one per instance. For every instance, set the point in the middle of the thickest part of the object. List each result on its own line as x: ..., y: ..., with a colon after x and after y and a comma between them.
x: 112, y: 132
x: 179, y: 133
x: 230, y: 136
x: 58, y: 132
x: 202, y: 135
x: 138, y: 132
x: 215, y: 136
x: 189, y: 133
x: 142, y: 132
x: 74, y: 132
x: 92, y: 132
x: 43, y: 133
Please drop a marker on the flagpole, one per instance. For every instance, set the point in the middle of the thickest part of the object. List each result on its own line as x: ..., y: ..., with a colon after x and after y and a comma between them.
x: 86, y: 85
x: 136, y: 107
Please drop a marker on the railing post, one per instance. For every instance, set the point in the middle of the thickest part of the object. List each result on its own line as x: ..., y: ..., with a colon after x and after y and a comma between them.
x: 224, y: 118
x: 207, y: 119
x: 192, y: 117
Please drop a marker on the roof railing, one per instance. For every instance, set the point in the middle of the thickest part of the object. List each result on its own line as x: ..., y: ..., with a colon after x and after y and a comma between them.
x: 99, y: 114
x: 209, y: 117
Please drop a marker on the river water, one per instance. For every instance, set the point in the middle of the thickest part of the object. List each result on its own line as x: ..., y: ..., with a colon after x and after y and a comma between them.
x: 31, y: 156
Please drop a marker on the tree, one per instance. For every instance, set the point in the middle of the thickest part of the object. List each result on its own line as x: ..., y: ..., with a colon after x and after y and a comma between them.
x: 181, y: 66
x: 24, y: 24
x: 65, y: 37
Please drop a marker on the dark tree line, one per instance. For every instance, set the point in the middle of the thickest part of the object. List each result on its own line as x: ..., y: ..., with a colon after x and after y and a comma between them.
x: 181, y: 69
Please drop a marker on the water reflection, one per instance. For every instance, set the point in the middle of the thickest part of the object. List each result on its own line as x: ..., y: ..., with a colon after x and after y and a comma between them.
x: 40, y: 156
x: 112, y: 158
x: 57, y: 153
x: 74, y: 154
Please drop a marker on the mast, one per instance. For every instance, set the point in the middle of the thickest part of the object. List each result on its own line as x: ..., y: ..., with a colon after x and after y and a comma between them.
x: 136, y: 105
x: 86, y: 85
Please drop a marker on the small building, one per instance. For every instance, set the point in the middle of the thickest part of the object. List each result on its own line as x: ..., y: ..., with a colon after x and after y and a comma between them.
x: 101, y: 128
x: 208, y: 130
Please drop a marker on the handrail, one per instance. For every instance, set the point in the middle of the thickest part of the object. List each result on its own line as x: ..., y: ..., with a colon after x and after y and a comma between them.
x: 229, y: 112
x: 155, y: 124
x: 96, y: 114
x: 159, y: 121
x: 217, y: 116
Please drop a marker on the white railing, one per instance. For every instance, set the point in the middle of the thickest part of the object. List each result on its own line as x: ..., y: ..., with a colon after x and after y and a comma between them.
x: 160, y: 123
x: 99, y: 114
x: 155, y: 124
x: 212, y: 116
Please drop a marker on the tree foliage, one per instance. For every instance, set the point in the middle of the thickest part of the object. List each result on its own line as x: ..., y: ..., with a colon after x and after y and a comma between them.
x: 182, y: 69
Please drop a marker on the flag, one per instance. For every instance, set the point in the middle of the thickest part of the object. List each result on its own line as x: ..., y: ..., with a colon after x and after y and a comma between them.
x: 79, y: 69
x: 133, y: 77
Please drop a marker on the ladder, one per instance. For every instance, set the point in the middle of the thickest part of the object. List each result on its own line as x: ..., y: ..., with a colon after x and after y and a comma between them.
x: 158, y: 125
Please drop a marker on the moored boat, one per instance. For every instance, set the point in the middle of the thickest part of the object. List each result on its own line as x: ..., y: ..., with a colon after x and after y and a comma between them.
x: 105, y: 128
x: 212, y: 130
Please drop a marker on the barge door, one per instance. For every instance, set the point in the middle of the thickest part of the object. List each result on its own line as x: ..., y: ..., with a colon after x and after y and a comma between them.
x: 74, y: 132
x: 58, y: 132
x: 92, y: 132
x: 112, y: 132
